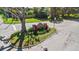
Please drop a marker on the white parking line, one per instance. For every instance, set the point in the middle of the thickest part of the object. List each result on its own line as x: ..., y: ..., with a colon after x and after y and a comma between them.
x: 14, y: 27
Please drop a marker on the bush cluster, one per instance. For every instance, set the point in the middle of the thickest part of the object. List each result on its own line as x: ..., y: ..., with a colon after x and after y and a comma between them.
x: 71, y: 16
x: 40, y: 27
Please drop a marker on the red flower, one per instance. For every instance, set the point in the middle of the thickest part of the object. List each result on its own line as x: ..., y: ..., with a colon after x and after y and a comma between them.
x: 39, y: 25
x: 46, y: 26
x: 35, y: 27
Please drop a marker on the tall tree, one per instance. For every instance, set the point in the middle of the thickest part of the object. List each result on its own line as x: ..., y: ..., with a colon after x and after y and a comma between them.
x: 19, y: 13
x: 56, y: 12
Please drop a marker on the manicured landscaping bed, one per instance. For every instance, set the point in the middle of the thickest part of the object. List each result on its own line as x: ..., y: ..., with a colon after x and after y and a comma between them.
x: 32, y: 39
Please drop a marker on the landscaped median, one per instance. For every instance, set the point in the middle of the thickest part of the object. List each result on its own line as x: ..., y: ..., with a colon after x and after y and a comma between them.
x: 33, y: 37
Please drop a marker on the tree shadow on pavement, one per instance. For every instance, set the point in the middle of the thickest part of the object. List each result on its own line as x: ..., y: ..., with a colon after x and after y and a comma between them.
x: 1, y: 23
x: 11, y: 46
x: 1, y: 37
x: 1, y: 49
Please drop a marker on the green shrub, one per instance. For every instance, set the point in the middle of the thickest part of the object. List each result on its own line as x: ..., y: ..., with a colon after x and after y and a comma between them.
x: 71, y: 16
x: 15, y: 34
x: 40, y: 27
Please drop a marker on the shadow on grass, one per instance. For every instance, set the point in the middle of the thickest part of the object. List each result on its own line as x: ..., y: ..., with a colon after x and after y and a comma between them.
x: 21, y: 39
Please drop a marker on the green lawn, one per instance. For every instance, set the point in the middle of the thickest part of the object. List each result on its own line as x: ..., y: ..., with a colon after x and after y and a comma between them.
x: 16, y: 21
x: 10, y: 21
x: 32, y: 20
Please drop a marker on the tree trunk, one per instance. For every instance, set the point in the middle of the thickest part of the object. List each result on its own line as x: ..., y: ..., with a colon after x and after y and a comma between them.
x: 53, y: 13
x: 23, y: 33
x: 23, y: 26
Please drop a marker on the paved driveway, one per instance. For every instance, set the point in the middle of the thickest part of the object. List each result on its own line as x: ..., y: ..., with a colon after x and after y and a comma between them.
x: 66, y: 37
